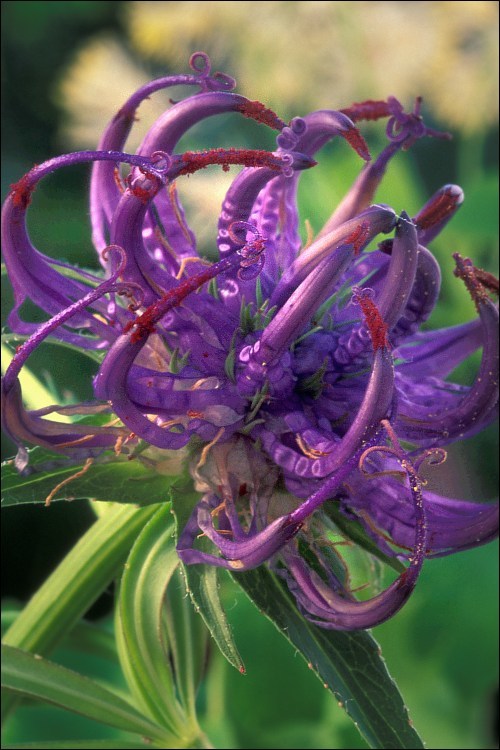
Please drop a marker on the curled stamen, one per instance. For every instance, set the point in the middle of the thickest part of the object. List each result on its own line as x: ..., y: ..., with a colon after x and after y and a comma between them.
x: 200, y: 63
x: 307, y: 450
x: 407, y: 127
x: 433, y: 456
x: 238, y: 229
x: 105, y: 255
x: 251, y: 252
x: 134, y: 292
x: 77, y: 475
x: 377, y: 449
x: 289, y: 136
x: 161, y: 161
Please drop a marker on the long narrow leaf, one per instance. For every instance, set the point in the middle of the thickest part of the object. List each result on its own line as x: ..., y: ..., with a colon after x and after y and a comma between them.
x: 348, y: 663
x: 203, y: 586
x: 82, y: 576
x: 144, y: 661
x: 113, y: 479
x: 84, y: 638
x: 31, y: 675
x: 187, y: 640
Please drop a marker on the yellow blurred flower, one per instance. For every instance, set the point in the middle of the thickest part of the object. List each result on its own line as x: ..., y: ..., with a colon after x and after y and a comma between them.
x: 298, y: 56
x: 100, y: 79
x: 310, y: 54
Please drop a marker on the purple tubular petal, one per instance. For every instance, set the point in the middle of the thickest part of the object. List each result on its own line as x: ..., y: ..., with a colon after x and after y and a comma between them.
x: 275, y: 214
x: 422, y: 299
x: 403, y: 129
x: 174, y: 240
x: 158, y: 394
x: 401, y: 273
x: 45, y: 329
x: 453, y: 525
x: 239, y: 555
x: 237, y: 206
x: 111, y: 381
x: 32, y: 273
x: 373, y: 221
x: 28, y: 427
x: 430, y: 221
x: 242, y: 194
x: 456, y: 525
x: 126, y: 231
x: 238, y: 203
x: 173, y: 124
x: 374, y: 407
x: 300, y: 306
x: 438, y: 353
x: 397, y: 288
x: 104, y: 194
x: 437, y: 212
x: 475, y: 410
x: 163, y: 136
x: 331, y: 610
x: 325, y: 124
x: 111, y: 385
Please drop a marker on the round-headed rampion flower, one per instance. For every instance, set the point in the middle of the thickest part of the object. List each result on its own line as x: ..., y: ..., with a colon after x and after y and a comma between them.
x: 295, y: 378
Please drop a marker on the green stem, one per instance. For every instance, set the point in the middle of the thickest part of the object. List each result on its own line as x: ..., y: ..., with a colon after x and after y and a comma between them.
x: 77, y: 582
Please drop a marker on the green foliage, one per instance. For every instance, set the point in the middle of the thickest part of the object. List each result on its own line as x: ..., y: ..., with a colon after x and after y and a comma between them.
x: 350, y: 665
x: 113, y: 478
x: 160, y: 636
x: 146, y: 674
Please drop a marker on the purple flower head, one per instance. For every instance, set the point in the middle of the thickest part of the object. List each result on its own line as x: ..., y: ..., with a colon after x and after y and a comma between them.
x: 296, y: 378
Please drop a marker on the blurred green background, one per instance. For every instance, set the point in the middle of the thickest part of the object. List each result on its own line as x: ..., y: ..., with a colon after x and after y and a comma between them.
x: 66, y: 68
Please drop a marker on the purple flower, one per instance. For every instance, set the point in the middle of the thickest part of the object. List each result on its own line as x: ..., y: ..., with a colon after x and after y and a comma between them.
x: 297, y: 377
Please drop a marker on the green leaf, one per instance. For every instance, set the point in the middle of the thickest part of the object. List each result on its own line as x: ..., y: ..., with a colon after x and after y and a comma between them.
x: 187, y: 641
x: 202, y: 584
x: 35, y: 677
x: 77, y: 582
x: 348, y: 663
x: 144, y: 660
x: 85, y: 637
x: 114, y: 478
